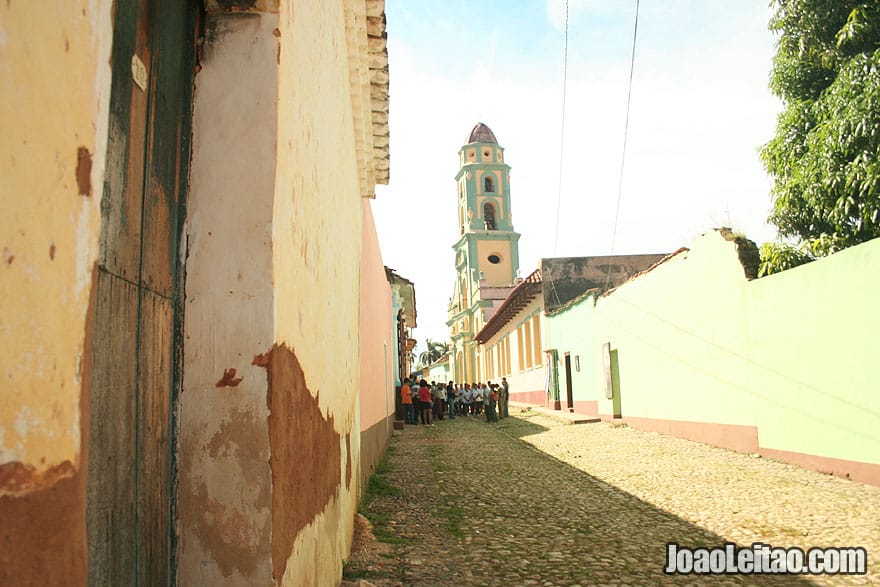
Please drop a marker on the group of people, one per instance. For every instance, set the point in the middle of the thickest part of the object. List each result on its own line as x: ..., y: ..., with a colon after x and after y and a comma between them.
x: 425, y: 402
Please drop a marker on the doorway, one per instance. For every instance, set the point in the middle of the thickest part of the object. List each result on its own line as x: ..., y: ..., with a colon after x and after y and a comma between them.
x: 137, y: 319
x: 569, y: 394
x: 612, y: 378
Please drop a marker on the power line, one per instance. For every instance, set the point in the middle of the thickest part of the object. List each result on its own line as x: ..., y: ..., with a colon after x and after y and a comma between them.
x: 561, y: 149
x: 632, y: 63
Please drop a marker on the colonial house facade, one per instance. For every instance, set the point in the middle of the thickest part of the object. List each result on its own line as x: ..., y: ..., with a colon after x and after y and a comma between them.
x: 513, y: 342
x: 182, y: 333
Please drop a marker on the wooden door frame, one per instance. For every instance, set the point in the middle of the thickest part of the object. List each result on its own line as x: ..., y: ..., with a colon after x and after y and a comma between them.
x: 140, y: 170
x: 569, y: 393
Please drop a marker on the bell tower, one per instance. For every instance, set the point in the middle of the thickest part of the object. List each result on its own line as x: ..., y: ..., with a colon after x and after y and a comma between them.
x: 487, y: 251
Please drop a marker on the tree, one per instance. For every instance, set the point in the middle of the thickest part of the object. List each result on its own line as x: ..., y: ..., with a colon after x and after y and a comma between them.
x: 825, y: 157
x: 435, y: 351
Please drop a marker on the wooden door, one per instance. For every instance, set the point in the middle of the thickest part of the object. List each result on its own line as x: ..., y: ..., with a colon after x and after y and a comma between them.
x: 569, y: 392
x: 615, y: 384
x: 136, y: 343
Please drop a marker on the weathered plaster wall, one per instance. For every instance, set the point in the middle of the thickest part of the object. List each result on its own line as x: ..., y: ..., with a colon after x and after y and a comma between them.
x: 376, y: 342
x: 317, y: 238
x: 572, y: 276
x: 55, y: 85
x: 273, y: 282
x: 783, y: 364
x: 225, y: 495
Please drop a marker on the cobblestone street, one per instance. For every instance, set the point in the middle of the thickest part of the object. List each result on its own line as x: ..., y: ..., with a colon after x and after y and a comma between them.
x: 534, y: 501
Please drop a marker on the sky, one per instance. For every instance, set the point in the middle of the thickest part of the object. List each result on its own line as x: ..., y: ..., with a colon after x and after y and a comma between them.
x: 700, y: 111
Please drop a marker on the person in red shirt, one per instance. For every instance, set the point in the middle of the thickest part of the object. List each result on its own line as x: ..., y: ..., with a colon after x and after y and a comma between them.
x: 425, y: 402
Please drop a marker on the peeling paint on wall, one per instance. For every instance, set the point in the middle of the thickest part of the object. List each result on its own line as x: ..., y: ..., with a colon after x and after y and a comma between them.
x: 348, y: 460
x: 43, y: 529
x: 84, y: 171
x: 229, y: 379
x: 305, y: 453
x: 225, y: 535
x: 236, y: 5
x: 19, y: 479
x: 233, y: 534
x: 239, y: 6
x: 43, y: 534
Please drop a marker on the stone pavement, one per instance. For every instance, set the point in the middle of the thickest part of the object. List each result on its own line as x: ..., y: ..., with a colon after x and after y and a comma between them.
x: 535, y: 501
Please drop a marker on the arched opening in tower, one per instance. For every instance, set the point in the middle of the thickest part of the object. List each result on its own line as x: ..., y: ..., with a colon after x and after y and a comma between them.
x: 489, y: 216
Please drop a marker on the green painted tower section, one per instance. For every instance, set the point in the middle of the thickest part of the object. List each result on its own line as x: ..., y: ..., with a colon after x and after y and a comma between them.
x: 487, y: 245
x: 487, y: 250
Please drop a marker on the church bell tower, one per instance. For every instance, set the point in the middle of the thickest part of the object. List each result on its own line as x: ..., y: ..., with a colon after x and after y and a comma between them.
x: 486, y: 252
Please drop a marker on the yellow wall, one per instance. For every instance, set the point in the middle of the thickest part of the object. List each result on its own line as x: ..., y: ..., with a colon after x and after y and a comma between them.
x: 275, y: 233
x: 55, y: 86
x: 521, y: 378
x: 317, y: 254
x: 499, y: 274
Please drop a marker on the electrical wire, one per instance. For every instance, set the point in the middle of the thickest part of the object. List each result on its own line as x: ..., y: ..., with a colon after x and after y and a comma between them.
x: 561, y: 150
x: 632, y: 63
x: 562, y: 130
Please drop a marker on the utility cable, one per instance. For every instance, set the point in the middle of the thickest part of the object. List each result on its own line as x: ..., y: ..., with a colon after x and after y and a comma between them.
x: 561, y: 149
x: 632, y: 63
x: 562, y: 130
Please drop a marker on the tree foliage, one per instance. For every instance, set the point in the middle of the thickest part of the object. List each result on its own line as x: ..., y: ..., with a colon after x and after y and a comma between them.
x: 825, y: 157
x: 435, y: 352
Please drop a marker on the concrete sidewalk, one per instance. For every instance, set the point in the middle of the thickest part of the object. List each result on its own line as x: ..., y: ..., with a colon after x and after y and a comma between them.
x: 518, y: 408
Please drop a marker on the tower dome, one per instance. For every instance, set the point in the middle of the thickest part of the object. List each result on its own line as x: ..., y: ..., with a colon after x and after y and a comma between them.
x: 481, y: 134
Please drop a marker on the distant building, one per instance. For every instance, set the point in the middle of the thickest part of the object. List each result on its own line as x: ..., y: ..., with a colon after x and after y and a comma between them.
x: 486, y: 252
x: 512, y: 343
x: 439, y: 370
x: 403, y: 305
x: 695, y: 346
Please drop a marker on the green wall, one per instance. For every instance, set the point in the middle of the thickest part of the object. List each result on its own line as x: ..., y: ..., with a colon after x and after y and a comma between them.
x: 794, y: 354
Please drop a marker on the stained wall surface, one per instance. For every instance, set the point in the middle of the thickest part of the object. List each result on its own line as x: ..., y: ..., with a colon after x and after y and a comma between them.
x: 781, y: 365
x: 270, y: 413
x: 225, y: 495
x: 269, y: 417
x: 55, y: 85
x: 55, y: 97
x: 317, y: 252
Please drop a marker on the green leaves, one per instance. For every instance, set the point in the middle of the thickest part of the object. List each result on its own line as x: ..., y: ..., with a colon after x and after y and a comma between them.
x: 435, y: 352
x: 825, y: 157
x: 861, y: 30
x: 776, y: 257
